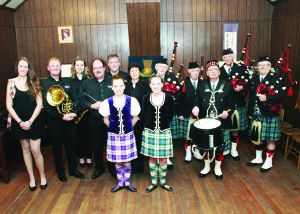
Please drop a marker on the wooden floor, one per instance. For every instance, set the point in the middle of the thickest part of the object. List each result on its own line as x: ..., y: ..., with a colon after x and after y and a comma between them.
x: 243, y: 189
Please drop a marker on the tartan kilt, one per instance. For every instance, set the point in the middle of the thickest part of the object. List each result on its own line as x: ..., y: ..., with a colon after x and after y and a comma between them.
x: 226, y: 139
x: 243, y: 118
x: 121, y: 148
x: 174, y: 127
x: 157, y: 144
x: 270, y: 127
x: 183, y: 127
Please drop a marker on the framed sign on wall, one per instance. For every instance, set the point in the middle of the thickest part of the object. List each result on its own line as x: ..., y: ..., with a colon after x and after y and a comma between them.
x: 65, y: 34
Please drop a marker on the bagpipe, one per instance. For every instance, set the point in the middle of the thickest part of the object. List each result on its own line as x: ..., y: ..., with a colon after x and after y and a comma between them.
x: 248, y: 61
x: 263, y: 89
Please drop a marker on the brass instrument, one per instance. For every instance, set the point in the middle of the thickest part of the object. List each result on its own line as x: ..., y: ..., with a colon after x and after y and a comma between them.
x: 56, y: 96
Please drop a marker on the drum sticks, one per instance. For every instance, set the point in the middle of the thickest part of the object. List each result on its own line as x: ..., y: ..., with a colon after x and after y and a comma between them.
x: 212, y: 118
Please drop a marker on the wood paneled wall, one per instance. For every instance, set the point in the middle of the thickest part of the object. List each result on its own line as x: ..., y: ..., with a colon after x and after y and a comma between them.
x: 197, y: 26
x: 100, y: 29
x: 144, y: 28
x: 285, y: 30
x: 8, y: 51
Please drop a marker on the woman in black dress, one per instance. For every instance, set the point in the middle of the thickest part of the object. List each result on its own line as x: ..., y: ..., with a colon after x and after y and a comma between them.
x: 137, y: 89
x: 79, y: 73
x: 24, y: 104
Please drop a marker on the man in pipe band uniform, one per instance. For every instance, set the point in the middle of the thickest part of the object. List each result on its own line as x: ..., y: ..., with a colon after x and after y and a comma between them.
x: 170, y: 86
x: 92, y: 93
x: 238, y: 76
x: 223, y: 103
x: 113, y: 63
x: 262, y: 107
x: 188, y: 96
x: 61, y: 128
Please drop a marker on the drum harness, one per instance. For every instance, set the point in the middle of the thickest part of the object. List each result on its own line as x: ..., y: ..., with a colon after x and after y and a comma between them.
x: 213, y: 113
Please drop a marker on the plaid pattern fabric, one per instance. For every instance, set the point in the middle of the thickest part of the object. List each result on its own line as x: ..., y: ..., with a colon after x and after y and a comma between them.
x: 121, y: 148
x: 270, y: 127
x: 226, y: 139
x: 157, y: 144
x: 183, y: 127
x: 243, y: 118
x: 174, y: 127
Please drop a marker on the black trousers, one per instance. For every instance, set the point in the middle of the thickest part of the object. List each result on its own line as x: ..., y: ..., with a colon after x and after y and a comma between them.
x: 138, y: 133
x: 83, y: 139
x: 98, y: 131
x: 60, y: 132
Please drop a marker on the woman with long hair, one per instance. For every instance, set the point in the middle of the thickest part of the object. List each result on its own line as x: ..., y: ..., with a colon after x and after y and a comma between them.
x: 24, y: 104
x: 79, y: 73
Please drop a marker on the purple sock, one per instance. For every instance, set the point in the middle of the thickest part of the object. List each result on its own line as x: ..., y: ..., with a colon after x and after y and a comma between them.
x: 120, y: 172
x: 127, y: 171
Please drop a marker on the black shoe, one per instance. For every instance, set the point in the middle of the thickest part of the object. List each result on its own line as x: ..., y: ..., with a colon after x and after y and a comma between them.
x: 82, y: 165
x: 76, y: 174
x: 151, y: 188
x: 32, y: 188
x: 187, y: 161
x: 117, y: 188
x: 253, y: 164
x: 237, y: 158
x: 89, y: 165
x: 44, y: 186
x: 131, y: 188
x: 112, y: 171
x: 219, y: 177
x: 62, y: 177
x: 166, y: 187
x: 97, y: 173
x: 265, y: 170
x: 203, y: 175
x: 171, y: 167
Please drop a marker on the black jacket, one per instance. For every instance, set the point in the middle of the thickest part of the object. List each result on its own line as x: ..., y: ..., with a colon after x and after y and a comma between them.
x: 238, y: 71
x: 97, y: 90
x: 223, y: 102
x: 141, y: 89
x: 158, y: 117
x: 124, y: 74
x: 187, y: 97
x: 269, y: 80
x: 67, y: 84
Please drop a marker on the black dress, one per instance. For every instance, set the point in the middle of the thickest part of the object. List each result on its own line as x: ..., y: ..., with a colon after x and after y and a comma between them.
x: 24, y: 106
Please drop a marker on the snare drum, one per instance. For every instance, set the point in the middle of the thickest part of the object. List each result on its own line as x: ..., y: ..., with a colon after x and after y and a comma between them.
x: 207, y: 135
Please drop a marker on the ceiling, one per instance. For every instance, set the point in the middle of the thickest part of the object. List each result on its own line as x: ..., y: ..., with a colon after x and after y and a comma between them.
x: 11, y: 4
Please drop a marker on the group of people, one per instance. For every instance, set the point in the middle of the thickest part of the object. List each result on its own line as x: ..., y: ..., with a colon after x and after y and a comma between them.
x: 134, y: 118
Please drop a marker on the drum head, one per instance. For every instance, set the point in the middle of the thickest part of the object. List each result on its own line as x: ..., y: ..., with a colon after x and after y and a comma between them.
x: 207, y: 123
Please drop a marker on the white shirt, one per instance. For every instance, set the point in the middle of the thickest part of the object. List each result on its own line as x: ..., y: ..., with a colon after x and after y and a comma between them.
x: 227, y: 68
x: 194, y: 82
x: 216, y: 83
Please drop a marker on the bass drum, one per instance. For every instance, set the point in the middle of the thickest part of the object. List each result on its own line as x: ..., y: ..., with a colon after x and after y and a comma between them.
x: 207, y: 135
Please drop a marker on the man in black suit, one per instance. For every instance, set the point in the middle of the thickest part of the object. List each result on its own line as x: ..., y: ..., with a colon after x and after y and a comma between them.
x: 113, y: 63
x: 61, y: 127
x: 223, y: 102
x: 231, y: 72
x: 188, y: 96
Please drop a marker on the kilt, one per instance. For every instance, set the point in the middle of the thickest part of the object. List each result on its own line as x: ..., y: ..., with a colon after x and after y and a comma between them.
x: 226, y: 139
x: 174, y: 127
x: 183, y: 127
x: 121, y: 148
x: 243, y: 118
x: 157, y: 144
x: 270, y: 127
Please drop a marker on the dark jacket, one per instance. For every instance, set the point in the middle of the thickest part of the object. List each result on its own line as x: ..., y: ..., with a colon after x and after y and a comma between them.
x: 269, y: 80
x: 223, y: 102
x: 158, y: 117
x: 67, y: 84
x: 238, y: 71
x: 124, y: 74
x: 77, y: 84
x: 98, y: 91
x: 141, y: 89
x: 188, y: 96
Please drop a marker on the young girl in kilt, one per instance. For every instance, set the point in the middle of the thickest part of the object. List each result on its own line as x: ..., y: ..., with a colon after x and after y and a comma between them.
x: 158, y: 110
x: 120, y: 114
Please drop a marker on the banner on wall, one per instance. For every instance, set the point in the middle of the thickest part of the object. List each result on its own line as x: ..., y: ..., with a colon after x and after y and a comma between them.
x: 230, y: 37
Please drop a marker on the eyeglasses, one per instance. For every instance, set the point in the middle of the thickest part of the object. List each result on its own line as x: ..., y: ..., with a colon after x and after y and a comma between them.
x: 98, y: 68
x: 213, y: 69
x: 162, y: 66
x: 263, y: 65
